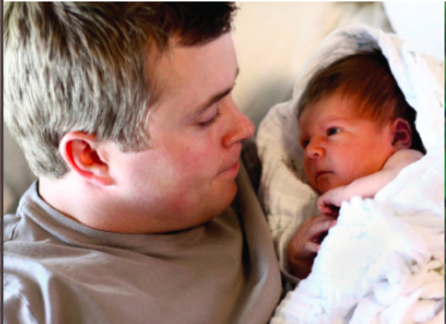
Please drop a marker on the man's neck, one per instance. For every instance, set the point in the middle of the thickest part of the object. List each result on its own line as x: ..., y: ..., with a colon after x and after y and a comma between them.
x: 85, y: 203
x: 54, y: 193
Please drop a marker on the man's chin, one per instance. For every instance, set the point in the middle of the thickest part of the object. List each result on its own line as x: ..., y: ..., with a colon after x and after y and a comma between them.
x: 221, y: 201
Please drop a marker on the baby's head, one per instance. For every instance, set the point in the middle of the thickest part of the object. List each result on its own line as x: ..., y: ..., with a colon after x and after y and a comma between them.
x: 352, y: 118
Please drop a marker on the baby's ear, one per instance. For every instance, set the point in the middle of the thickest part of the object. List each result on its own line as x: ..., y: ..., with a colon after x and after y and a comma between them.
x: 402, y: 134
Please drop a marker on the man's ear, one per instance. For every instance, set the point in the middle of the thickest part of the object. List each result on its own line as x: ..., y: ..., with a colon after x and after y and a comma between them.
x: 402, y: 134
x: 83, y: 154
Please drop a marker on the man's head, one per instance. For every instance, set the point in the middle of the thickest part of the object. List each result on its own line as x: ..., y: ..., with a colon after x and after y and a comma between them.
x: 187, y: 176
x: 180, y: 66
x: 85, y: 67
x: 352, y: 117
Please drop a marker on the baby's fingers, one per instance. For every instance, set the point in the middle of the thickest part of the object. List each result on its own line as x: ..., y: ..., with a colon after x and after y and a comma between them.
x: 326, y: 210
x: 322, y: 226
x: 331, y: 210
x: 312, y: 247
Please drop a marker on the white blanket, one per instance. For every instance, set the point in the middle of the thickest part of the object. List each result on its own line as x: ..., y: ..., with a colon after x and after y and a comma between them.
x: 384, y: 260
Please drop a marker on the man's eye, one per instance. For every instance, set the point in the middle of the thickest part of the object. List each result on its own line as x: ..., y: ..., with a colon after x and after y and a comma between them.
x: 210, y: 121
x: 304, y: 143
x: 332, y: 131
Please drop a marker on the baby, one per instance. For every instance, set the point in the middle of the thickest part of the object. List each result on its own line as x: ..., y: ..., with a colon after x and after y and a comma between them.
x: 358, y: 133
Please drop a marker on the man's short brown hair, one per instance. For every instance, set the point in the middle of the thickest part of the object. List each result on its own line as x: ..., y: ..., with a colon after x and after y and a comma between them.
x: 367, y: 79
x: 83, y: 67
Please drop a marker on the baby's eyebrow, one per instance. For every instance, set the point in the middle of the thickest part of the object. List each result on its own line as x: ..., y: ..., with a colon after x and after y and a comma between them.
x: 335, y: 118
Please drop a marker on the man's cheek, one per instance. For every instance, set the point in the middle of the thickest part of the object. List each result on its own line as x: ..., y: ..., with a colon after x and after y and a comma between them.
x: 190, y: 193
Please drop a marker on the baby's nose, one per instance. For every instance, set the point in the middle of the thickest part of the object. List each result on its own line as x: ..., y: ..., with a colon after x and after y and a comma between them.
x: 314, y: 150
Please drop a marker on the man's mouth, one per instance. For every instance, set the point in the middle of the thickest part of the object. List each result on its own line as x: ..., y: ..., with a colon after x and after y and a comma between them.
x: 232, y: 168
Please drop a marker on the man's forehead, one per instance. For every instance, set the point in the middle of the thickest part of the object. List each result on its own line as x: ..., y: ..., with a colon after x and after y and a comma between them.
x: 194, y: 73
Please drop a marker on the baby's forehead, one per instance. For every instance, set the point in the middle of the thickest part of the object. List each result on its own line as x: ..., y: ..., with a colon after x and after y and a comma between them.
x: 332, y: 106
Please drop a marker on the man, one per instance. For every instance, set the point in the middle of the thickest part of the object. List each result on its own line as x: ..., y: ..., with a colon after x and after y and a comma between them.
x: 125, y: 114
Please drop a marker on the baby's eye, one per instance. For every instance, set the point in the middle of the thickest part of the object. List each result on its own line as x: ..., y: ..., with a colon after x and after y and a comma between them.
x: 332, y: 131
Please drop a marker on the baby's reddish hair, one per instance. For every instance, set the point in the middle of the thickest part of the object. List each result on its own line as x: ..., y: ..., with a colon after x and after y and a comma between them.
x: 367, y: 79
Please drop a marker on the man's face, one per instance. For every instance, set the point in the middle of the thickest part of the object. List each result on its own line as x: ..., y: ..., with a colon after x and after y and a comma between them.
x: 339, y: 145
x: 187, y: 176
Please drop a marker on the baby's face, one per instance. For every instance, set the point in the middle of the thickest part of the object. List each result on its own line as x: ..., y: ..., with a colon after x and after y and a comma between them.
x: 339, y: 145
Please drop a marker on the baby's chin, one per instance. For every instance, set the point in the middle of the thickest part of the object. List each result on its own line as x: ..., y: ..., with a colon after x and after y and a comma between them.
x: 328, y: 182
x: 322, y: 188
x: 325, y: 187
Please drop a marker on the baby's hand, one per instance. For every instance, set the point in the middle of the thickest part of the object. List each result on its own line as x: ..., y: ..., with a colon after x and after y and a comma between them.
x: 305, y: 243
x: 330, y: 202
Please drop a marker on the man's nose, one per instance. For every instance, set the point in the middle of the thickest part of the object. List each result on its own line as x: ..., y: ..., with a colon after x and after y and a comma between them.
x: 314, y: 149
x: 240, y: 128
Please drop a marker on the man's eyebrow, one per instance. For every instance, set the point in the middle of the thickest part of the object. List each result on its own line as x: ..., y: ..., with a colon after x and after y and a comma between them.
x: 217, y: 96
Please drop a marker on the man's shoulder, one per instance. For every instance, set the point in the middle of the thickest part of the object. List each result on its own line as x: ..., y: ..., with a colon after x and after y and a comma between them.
x: 15, y: 223
x: 10, y: 223
x: 16, y: 305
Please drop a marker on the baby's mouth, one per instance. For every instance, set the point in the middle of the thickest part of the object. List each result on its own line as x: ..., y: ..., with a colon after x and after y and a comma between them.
x: 320, y: 173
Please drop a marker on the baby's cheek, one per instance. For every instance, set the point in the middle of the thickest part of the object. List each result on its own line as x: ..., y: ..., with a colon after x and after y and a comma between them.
x: 308, y: 173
